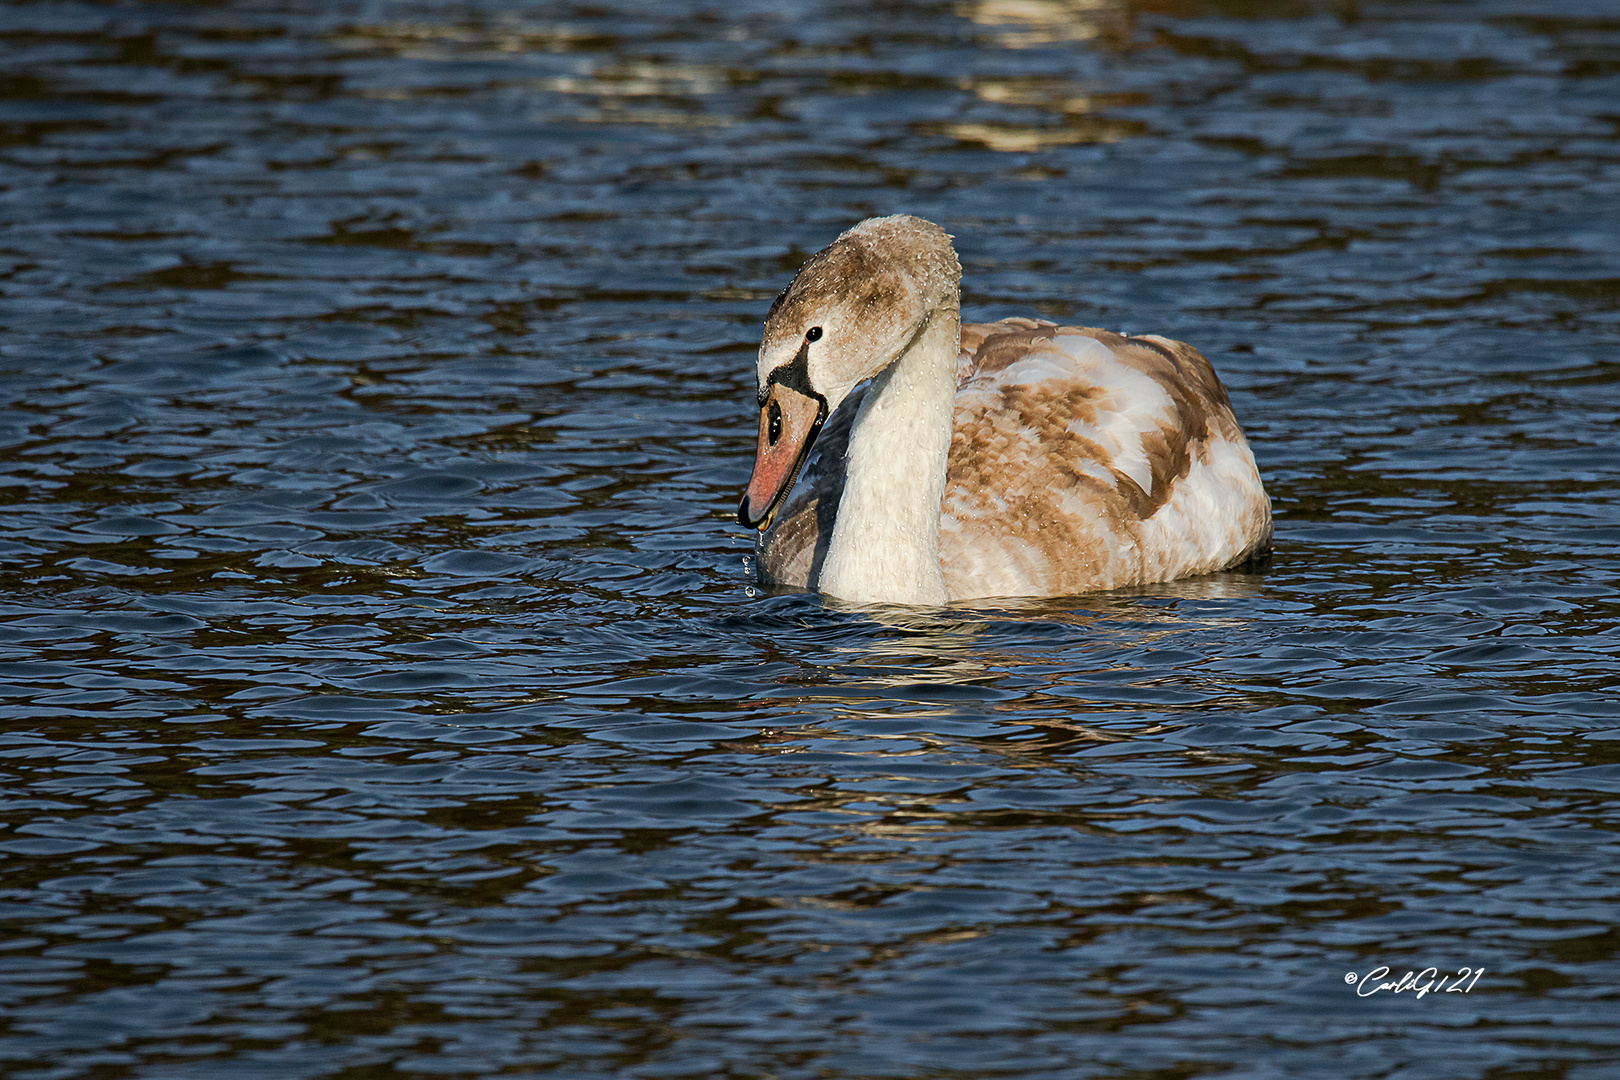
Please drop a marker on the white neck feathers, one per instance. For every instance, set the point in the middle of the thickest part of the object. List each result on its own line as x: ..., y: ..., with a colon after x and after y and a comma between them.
x: 885, y: 543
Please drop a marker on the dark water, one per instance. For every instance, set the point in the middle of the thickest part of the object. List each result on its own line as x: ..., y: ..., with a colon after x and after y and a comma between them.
x: 384, y: 695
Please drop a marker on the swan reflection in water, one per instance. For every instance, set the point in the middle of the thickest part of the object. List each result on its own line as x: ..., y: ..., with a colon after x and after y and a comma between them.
x: 945, y: 667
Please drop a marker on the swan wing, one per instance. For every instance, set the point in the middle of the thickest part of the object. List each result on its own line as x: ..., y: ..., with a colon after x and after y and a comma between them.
x: 1083, y: 459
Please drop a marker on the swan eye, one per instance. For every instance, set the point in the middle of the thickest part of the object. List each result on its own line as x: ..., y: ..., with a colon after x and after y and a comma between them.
x: 813, y: 334
x: 774, y: 418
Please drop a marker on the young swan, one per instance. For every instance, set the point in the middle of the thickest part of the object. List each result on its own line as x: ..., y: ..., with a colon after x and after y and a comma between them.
x: 1016, y: 458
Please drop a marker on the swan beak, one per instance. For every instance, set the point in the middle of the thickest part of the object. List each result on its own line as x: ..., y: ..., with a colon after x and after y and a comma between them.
x: 788, y: 425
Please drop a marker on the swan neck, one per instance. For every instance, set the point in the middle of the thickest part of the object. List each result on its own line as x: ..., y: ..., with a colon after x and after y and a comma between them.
x: 885, y: 542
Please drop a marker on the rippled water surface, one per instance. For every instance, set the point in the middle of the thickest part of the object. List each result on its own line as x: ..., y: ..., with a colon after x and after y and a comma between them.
x: 383, y: 691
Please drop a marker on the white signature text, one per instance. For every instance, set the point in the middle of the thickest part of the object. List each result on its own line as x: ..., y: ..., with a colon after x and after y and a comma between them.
x: 1418, y: 982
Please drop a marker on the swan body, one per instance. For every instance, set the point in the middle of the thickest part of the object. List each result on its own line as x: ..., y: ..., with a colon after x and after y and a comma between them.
x: 1015, y: 458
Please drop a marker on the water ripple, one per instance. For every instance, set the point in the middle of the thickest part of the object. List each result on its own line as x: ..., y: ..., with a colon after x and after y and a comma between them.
x: 382, y: 690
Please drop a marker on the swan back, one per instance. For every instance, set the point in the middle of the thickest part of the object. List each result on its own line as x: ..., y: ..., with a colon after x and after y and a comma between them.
x: 1083, y: 459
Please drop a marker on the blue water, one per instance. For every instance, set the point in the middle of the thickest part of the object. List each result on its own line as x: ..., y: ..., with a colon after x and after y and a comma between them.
x: 384, y: 692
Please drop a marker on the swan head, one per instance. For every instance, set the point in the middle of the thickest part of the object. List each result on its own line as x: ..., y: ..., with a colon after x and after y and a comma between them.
x: 850, y: 312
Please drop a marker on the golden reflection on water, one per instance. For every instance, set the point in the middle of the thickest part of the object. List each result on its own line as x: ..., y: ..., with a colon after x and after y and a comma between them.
x: 1023, y: 24
x: 643, y: 78
x: 667, y: 92
x: 1047, y: 93
x: 1026, y: 138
